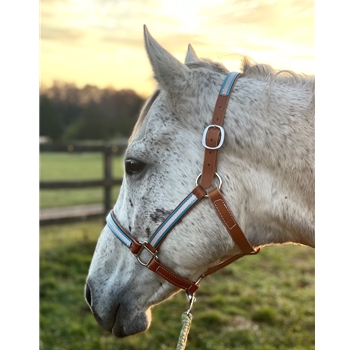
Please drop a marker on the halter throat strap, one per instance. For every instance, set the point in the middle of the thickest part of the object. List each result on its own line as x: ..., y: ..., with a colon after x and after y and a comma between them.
x: 147, y: 252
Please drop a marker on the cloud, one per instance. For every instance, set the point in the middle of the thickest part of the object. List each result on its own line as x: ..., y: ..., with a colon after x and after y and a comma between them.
x: 288, y: 19
x: 67, y: 35
x: 89, y: 39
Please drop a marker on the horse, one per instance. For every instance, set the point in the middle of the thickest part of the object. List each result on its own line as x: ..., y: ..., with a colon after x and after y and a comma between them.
x: 264, y: 173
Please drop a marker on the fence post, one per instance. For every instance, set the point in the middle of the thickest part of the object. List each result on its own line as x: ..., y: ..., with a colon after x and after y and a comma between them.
x: 108, y: 158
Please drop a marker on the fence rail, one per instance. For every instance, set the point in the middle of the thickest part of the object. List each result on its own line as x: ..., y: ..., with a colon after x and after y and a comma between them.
x: 108, y: 150
x: 46, y: 185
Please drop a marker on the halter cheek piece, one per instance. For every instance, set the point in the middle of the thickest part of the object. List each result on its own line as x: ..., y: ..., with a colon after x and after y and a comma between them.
x: 146, y: 252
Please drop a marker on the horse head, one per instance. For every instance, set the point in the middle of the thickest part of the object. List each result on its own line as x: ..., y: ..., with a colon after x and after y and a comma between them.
x: 162, y: 161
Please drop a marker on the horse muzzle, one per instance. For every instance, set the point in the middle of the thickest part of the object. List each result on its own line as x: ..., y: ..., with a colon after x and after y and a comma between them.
x: 117, y: 317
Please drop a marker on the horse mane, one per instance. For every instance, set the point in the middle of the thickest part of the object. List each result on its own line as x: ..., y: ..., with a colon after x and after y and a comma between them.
x: 272, y: 77
x: 259, y: 71
x: 249, y: 68
x: 266, y: 73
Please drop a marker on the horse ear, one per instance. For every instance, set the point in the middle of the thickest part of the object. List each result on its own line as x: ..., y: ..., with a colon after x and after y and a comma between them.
x: 171, y: 74
x: 191, y: 55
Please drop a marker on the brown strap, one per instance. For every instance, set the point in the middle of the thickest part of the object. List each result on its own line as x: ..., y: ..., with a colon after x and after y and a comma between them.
x: 235, y: 232
x: 223, y: 264
x: 210, y: 158
x: 229, y: 221
x: 181, y: 282
x: 213, y: 139
x: 233, y: 228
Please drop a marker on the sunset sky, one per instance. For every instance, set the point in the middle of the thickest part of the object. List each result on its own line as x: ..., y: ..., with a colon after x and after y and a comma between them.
x: 100, y: 42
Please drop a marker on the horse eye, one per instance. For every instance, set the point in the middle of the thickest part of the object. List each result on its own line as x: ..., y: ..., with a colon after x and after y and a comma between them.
x: 133, y: 166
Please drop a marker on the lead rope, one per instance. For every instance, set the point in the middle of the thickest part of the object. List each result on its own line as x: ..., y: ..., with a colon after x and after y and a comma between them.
x: 186, y: 319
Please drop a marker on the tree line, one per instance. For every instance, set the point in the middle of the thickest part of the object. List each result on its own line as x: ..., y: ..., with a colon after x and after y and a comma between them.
x: 68, y: 113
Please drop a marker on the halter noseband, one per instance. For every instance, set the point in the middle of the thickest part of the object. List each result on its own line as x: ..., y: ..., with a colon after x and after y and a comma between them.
x: 146, y: 252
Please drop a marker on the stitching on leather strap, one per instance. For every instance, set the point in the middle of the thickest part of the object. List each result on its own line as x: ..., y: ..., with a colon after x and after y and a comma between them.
x: 170, y: 273
x: 222, y: 216
x: 235, y: 231
x: 180, y: 281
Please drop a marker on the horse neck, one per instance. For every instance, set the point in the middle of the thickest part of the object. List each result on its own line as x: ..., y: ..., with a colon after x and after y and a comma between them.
x: 270, y: 162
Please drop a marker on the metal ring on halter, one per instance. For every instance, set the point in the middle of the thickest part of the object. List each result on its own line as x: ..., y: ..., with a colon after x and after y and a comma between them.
x: 217, y: 175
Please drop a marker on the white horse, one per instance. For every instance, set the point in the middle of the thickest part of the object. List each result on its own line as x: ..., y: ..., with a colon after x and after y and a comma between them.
x: 266, y: 164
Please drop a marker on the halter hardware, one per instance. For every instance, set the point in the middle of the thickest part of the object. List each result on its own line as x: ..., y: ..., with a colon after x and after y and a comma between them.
x: 222, y: 136
x: 212, y: 140
x: 217, y: 175
x: 191, y: 300
x: 153, y: 254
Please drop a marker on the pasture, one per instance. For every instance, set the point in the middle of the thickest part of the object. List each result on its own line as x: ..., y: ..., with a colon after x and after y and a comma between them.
x: 76, y: 166
x: 260, y: 302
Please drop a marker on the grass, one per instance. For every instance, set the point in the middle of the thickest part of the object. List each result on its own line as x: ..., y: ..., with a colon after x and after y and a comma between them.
x: 260, y: 302
x: 81, y: 166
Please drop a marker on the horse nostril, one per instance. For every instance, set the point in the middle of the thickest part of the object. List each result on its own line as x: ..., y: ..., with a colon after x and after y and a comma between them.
x: 87, y: 293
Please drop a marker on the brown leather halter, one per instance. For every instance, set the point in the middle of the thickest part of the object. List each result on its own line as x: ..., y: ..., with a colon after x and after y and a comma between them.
x: 213, y: 138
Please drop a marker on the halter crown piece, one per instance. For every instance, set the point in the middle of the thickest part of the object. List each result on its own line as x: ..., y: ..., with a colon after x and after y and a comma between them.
x: 146, y: 252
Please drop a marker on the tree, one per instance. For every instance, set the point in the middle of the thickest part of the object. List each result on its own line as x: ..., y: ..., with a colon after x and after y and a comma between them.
x: 50, y: 124
x: 89, y: 125
x: 69, y: 113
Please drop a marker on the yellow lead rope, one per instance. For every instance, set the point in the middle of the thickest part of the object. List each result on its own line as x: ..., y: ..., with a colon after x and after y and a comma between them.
x: 186, y: 319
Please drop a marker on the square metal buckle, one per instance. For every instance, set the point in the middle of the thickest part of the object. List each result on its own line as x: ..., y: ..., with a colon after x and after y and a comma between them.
x: 152, y: 254
x: 222, y: 137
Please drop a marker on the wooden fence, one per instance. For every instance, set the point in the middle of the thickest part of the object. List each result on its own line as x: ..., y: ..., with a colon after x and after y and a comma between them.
x: 108, y: 150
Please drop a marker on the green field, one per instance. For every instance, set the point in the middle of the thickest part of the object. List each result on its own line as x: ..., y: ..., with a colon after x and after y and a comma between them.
x: 81, y: 166
x: 260, y: 302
